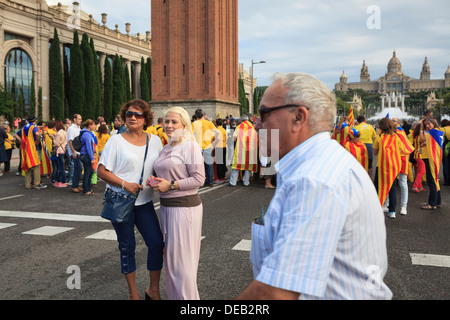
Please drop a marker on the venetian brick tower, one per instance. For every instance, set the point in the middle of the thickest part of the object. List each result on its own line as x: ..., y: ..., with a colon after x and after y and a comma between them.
x: 195, y: 56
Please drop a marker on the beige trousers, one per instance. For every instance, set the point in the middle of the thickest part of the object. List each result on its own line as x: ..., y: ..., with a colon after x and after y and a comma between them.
x: 36, y: 171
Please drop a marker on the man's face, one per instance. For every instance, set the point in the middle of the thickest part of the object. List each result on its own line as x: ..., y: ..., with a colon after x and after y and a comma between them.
x: 275, y: 124
x: 78, y: 120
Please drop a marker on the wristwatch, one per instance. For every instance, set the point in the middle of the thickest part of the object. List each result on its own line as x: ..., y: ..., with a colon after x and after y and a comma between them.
x: 172, y: 185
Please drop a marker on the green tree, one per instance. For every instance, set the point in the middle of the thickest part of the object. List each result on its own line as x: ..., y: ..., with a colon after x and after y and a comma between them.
x: 33, y: 98
x: 56, y: 79
x: 118, y: 85
x: 242, y: 97
x: 6, y: 103
x: 108, y: 91
x: 89, y: 79
x: 97, y: 81
x: 145, y: 91
x: 148, y: 67
x: 77, y: 84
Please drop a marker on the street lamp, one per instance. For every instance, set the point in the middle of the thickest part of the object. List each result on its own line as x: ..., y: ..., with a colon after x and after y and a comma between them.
x: 252, y: 109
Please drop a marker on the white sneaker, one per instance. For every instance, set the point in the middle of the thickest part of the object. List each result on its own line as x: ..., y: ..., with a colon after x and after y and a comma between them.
x: 403, y: 211
x: 391, y: 215
x: 385, y: 209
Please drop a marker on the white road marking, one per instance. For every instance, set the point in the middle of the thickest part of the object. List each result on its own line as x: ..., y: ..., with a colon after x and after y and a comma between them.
x: 11, y: 197
x: 47, y: 231
x: 430, y: 260
x: 52, y: 216
x: 243, y: 245
x: 7, y: 225
x: 104, y: 235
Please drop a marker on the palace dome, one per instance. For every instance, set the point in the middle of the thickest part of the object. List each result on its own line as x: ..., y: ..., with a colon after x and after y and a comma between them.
x: 394, y: 65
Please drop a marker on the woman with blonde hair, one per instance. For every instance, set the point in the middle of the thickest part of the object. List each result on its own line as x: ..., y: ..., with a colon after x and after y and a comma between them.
x: 180, y: 172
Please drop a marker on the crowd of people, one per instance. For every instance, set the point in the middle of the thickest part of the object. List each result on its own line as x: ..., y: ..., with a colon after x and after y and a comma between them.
x: 323, y: 236
x: 410, y: 152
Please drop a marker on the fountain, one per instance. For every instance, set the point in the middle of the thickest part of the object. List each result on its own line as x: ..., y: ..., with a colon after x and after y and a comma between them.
x: 393, y: 109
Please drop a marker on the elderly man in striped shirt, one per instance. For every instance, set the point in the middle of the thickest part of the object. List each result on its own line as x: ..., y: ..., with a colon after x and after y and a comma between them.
x: 324, y: 235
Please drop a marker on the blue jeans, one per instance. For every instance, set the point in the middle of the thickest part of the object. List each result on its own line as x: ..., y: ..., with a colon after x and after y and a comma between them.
x: 88, y: 171
x: 76, y: 172
x: 209, y: 169
x: 146, y: 221
x: 61, y: 177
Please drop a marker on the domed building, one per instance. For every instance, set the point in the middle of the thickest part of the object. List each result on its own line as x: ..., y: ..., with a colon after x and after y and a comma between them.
x: 394, y: 85
x: 27, y: 30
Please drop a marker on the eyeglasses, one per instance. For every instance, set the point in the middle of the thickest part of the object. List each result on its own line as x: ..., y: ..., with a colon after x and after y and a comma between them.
x: 138, y: 115
x: 263, y: 111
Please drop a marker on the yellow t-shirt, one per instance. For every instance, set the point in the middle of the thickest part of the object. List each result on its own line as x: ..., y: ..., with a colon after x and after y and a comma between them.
x: 222, y: 137
x: 204, y: 132
x: 368, y: 133
x: 101, y: 141
x: 151, y: 130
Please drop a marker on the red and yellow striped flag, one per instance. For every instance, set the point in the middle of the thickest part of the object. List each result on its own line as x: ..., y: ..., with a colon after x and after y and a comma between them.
x: 409, y: 148
x: 389, y: 166
x: 30, y: 156
x: 359, y: 151
x: 351, y: 117
x: 246, y: 151
x: 434, y: 140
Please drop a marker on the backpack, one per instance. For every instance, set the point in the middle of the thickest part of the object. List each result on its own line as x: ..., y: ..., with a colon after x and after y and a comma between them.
x: 76, y: 142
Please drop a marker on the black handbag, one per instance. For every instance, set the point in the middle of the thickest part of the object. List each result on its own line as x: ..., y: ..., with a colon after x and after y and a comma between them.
x: 118, y: 206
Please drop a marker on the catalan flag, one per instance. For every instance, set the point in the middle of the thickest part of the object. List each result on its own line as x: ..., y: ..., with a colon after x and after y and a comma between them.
x: 409, y: 148
x: 359, y: 151
x: 341, y: 135
x: 434, y: 141
x: 46, y: 163
x: 30, y: 156
x: 351, y: 117
x: 246, y: 151
x: 389, y: 163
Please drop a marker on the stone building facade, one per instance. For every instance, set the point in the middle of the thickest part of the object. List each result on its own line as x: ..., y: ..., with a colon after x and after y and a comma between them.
x: 26, y: 30
x: 394, y: 84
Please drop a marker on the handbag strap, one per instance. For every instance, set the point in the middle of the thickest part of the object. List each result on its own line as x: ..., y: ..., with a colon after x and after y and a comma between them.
x: 143, y: 167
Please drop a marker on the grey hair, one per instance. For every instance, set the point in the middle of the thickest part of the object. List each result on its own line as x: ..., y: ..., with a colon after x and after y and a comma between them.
x: 244, y: 117
x: 307, y: 90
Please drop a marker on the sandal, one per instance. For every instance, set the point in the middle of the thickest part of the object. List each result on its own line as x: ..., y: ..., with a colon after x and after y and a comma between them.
x: 428, y: 207
x: 415, y: 190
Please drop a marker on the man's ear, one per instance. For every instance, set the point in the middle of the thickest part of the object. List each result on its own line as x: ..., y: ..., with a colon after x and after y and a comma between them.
x: 301, y: 116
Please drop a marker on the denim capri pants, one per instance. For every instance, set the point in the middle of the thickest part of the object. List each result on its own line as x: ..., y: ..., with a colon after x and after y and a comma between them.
x: 146, y: 221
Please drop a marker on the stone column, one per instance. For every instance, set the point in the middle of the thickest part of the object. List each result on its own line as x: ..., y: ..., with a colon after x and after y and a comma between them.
x: 382, y: 103
x: 137, y: 74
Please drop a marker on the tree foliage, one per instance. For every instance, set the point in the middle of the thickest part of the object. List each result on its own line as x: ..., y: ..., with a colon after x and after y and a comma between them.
x: 56, y: 79
x: 77, y: 82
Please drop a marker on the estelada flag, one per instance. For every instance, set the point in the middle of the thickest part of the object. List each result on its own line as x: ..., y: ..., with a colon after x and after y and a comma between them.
x: 30, y: 156
x: 246, y: 150
x: 351, y: 117
x: 359, y: 151
x: 390, y: 164
x: 434, y: 140
x: 409, y: 148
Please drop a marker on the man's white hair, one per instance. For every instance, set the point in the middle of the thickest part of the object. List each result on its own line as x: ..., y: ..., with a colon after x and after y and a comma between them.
x: 305, y: 89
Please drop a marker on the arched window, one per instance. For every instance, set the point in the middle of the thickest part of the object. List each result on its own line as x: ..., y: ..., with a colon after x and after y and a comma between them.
x: 18, y: 74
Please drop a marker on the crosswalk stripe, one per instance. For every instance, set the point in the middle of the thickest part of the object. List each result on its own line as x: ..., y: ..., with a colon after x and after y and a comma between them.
x: 430, y: 260
x: 52, y: 216
x: 47, y: 231
x: 103, y: 235
x: 243, y: 245
x: 7, y: 225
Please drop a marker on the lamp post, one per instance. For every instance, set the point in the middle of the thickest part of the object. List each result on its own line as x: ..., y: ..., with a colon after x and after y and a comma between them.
x: 252, y: 109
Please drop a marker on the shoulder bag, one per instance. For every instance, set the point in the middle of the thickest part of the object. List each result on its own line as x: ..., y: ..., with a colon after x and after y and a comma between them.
x: 118, y: 206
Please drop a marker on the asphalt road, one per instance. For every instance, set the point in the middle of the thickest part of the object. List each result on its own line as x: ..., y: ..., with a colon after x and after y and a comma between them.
x: 43, y: 267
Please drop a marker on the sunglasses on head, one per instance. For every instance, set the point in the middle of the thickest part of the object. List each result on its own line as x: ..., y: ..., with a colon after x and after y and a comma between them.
x: 263, y: 111
x: 137, y: 115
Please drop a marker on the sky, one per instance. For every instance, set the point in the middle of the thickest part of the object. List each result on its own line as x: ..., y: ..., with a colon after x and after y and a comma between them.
x: 320, y: 37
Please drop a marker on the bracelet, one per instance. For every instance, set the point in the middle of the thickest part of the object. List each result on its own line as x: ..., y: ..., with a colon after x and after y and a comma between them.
x: 123, y: 181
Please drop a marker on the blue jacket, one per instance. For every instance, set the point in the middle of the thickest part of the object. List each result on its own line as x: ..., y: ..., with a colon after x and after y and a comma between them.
x: 87, y: 144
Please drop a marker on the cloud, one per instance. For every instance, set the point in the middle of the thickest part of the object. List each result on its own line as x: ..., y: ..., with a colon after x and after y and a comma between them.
x: 321, y: 37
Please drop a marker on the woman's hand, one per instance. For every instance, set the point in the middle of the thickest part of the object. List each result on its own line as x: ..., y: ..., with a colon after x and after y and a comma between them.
x: 132, y: 187
x: 162, y: 186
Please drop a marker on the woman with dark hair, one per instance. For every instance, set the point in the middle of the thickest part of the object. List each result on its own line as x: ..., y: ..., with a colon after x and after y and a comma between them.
x: 420, y: 165
x: 120, y: 167
x: 60, y: 143
x: 87, y: 155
